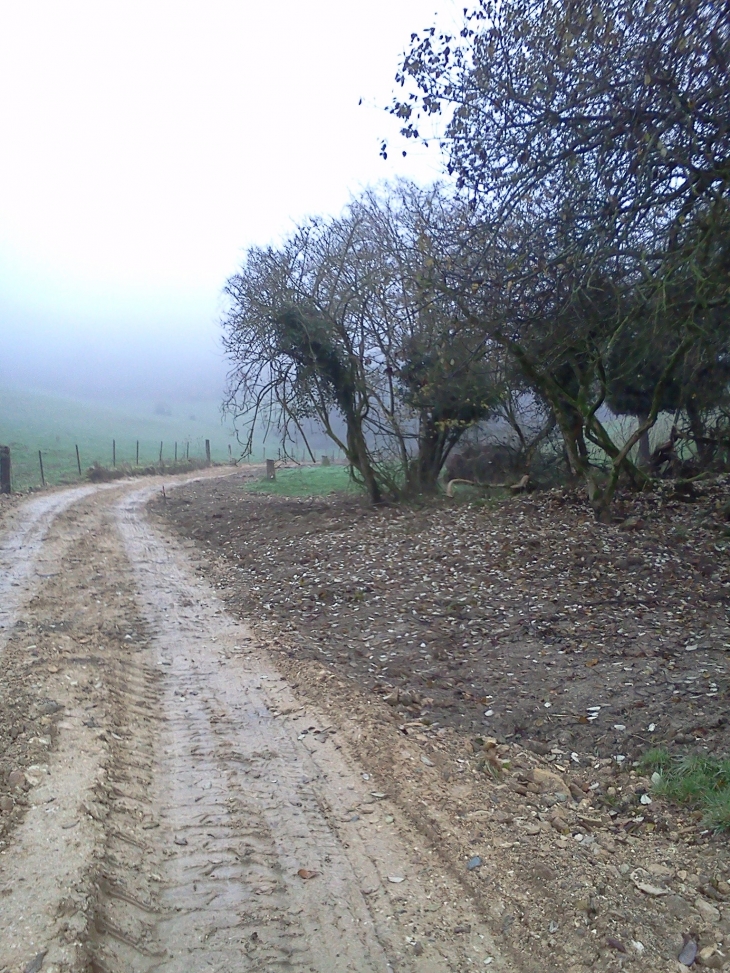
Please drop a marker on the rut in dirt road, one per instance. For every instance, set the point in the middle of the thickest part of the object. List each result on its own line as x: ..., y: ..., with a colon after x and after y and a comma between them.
x: 223, y: 809
x: 186, y: 813
x: 26, y: 549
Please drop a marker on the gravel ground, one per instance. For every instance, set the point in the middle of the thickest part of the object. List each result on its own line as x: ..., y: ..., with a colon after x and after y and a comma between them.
x: 499, y: 667
x: 523, y: 619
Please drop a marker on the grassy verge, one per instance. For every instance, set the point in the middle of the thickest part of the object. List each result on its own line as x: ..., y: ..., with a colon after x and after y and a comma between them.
x: 307, y: 481
x: 698, y: 781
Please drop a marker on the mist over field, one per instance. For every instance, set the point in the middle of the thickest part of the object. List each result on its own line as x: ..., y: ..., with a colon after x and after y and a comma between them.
x: 138, y: 168
x: 108, y: 359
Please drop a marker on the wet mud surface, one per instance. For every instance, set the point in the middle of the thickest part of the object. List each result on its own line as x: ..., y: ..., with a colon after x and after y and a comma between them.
x: 183, y: 817
x: 242, y: 733
x: 501, y: 666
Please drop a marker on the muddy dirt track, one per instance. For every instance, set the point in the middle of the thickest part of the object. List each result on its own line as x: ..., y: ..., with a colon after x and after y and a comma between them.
x: 166, y: 802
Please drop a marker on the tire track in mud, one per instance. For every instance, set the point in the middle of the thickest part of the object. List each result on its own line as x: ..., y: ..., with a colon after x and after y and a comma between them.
x: 183, y: 791
x: 236, y: 815
x: 72, y: 638
x: 30, y: 543
x: 204, y: 854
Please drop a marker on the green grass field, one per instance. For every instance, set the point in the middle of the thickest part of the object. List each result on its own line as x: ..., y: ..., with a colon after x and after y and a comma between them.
x: 307, y: 481
x: 55, y: 425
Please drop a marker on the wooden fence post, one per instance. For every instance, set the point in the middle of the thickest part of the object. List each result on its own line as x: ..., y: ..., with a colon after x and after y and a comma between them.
x: 160, y: 454
x: 137, y: 453
x: 40, y: 460
x: 176, y: 451
x: 187, y: 449
x: 78, y: 459
x: 4, y: 469
x: 270, y: 469
x: 114, y: 452
x: 207, y: 452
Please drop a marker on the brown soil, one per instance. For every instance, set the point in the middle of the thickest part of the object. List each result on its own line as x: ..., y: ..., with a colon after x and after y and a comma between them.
x: 491, y: 665
x: 560, y: 628
x: 183, y: 810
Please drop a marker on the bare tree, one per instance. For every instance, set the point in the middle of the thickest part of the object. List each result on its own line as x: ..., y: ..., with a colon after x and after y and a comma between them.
x: 592, y: 139
x: 345, y: 318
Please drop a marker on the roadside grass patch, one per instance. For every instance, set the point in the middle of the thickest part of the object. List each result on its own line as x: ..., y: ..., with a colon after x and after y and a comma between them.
x: 307, y: 481
x: 699, y: 781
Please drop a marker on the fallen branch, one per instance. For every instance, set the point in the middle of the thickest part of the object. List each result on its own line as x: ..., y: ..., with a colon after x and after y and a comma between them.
x: 518, y: 487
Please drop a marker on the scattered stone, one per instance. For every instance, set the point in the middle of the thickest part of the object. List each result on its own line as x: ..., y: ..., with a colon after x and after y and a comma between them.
x: 36, y: 963
x: 708, y: 912
x: 678, y: 907
x: 688, y: 953
x: 641, y: 670
x: 660, y: 871
x: 559, y: 823
x: 649, y: 889
x: 544, y: 872
x: 473, y: 863
x: 711, y: 957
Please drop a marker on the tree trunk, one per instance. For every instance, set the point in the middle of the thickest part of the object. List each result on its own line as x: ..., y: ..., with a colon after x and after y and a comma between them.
x: 571, y: 428
x: 358, y: 455
x: 425, y: 469
x: 644, y: 448
x: 705, y: 450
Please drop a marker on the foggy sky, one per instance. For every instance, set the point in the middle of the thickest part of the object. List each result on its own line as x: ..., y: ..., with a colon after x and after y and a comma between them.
x: 146, y: 144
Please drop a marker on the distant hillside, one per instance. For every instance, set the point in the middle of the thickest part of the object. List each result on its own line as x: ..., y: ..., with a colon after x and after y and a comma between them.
x: 30, y: 421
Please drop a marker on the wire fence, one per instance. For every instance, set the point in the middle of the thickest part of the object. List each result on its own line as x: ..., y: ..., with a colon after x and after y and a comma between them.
x: 23, y: 467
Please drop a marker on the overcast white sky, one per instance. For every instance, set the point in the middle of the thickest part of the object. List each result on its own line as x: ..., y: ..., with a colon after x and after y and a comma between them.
x: 146, y: 144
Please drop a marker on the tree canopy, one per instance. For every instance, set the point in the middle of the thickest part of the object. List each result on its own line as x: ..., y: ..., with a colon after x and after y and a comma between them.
x: 580, y: 266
